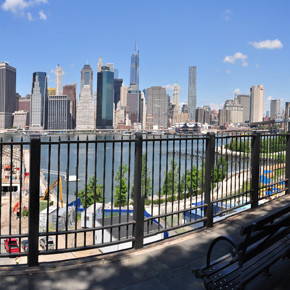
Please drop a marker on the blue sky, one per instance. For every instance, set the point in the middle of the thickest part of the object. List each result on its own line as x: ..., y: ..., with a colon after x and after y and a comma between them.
x: 234, y: 44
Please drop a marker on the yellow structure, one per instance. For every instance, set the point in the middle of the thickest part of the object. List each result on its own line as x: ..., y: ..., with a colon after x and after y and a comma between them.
x: 51, y: 91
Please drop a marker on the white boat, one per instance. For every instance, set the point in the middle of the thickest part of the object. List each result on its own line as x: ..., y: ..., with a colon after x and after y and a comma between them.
x: 72, y: 178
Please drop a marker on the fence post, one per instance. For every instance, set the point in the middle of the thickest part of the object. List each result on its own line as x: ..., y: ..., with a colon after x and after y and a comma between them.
x: 34, y: 177
x: 255, y: 166
x: 287, y: 171
x: 209, y: 167
x: 138, y: 214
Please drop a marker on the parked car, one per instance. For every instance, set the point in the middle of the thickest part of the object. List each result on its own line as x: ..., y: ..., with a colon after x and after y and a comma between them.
x: 46, y: 243
x: 24, y: 245
x: 11, y: 245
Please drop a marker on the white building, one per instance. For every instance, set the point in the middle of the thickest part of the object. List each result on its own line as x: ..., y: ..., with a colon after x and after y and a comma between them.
x: 20, y: 119
x: 85, y: 110
x: 59, y: 74
x: 257, y: 103
x: 275, y: 108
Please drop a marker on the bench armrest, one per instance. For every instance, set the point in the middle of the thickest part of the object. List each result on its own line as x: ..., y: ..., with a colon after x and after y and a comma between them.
x: 213, y: 243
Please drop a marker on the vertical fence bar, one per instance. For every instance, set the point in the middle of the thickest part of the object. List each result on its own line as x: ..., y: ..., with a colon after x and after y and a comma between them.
x: 287, y: 170
x: 255, y: 165
x: 138, y: 216
x: 209, y: 166
x: 34, y: 202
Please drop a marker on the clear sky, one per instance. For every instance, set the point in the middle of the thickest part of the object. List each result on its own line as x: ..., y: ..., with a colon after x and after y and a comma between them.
x: 234, y: 44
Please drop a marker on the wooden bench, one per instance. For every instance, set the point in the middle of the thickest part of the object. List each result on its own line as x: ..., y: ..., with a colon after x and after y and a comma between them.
x: 263, y: 243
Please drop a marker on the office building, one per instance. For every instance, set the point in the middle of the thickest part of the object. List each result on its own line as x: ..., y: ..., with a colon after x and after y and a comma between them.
x: 38, y: 101
x: 245, y: 101
x: 224, y: 117
x: 257, y: 103
x: 123, y: 97
x: 71, y: 92
x: 87, y: 77
x: 105, y: 99
x: 275, y: 108
x: 100, y: 64
x: 117, y: 91
x: 192, y: 92
x: 85, y: 117
x: 58, y: 74
x: 236, y: 111
x: 58, y: 113
x: 7, y: 94
x: 157, y: 107
x: 24, y: 104
x: 133, y: 105
x: 134, y: 71
x: 111, y: 67
x: 18, y: 97
x: 20, y: 119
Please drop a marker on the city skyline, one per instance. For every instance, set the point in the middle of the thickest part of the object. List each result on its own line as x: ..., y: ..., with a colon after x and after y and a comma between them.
x: 233, y: 49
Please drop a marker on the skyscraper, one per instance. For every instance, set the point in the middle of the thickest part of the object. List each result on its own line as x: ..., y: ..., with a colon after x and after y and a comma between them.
x: 7, y: 94
x: 134, y: 72
x: 274, y: 108
x: 157, y: 107
x: 117, y: 91
x: 71, y: 91
x: 59, y: 74
x: 100, y: 64
x: 105, y: 99
x: 192, y: 92
x: 85, y: 118
x: 38, y: 100
x: 87, y: 77
x: 58, y: 113
x: 257, y: 103
x: 245, y: 101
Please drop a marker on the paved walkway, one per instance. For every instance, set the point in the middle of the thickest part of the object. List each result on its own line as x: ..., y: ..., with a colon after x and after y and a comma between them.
x: 161, y: 266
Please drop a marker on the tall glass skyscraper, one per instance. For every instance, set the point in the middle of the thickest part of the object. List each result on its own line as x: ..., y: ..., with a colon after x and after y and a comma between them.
x: 192, y: 92
x: 7, y: 94
x: 117, y: 91
x: 87, y: 77
x: 134, y: 72
x: 38, y: 101
x: 105, y: 99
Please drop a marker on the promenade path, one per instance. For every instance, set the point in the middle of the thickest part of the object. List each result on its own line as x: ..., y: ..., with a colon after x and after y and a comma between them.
x: 166, y: 265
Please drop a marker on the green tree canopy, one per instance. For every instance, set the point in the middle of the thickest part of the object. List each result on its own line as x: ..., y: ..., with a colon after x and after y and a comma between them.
x: 121, y: 187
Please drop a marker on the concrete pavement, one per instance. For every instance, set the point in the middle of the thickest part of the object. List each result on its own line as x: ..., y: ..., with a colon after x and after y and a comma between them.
x: 166, y: 265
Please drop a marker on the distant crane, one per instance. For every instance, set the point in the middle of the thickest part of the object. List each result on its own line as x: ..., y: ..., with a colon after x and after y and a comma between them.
x: 57, y: 181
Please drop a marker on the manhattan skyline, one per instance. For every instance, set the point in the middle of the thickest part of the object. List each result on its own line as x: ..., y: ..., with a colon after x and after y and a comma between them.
x: 232, y: 46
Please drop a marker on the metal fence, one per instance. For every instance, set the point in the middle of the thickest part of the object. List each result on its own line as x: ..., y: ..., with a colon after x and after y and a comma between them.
x: 106, y: 193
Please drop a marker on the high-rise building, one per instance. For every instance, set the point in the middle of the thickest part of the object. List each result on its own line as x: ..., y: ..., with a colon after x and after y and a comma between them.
x: 111, y: 67
x: 24, y: 104
x: 245, y: 101
x: 20, y: 119
x: 257, y: 103
x: 100, y: 64
x: 236, y: 110
x: 157, y: 106
x: 275, y: 108
x: 38, y: 101
x: 176, y: 106
x: 192, y: 92
x: 87, y: 77
x: 133, y: 105
x: 199, y: 115
x: 85, y: 117
x: 105, y: 99
x: 123, y: 97
x: 134, y: 71
x: 18, y: 97
x: 58, y: 113
x: 117, y: 91
x: 71, y: 92
x: 7, y: 94
x: 58, y: 74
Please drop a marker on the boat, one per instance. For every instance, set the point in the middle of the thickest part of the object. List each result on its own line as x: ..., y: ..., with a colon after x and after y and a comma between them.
x: 72, y: 178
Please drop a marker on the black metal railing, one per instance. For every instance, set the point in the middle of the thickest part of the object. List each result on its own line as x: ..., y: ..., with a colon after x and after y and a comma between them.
x: 106, y: 193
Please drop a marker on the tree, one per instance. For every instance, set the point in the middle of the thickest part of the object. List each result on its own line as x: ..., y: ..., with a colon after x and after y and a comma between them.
x: 88, y: 199
x: 170, y: 184
x: 220, y: 170
x: 121, y: 187
x: 189, y: 181
x: 145, y: 178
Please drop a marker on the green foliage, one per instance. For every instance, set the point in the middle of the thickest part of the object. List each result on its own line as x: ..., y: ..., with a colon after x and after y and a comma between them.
x: 273, y: 144
x: 281, y: 158
x: 170, y: 184
x: 121, y: 188
x: 189, y: 181
x: 239, y: 145
x: 88, y: 199
x: 220, y: 170
x: 145, y: 181
x: 25, y: 212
